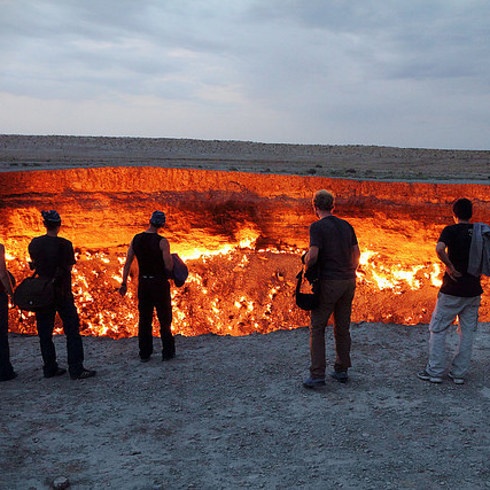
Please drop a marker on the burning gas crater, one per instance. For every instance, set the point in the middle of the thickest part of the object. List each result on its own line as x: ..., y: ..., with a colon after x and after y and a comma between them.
x: 242, y: 236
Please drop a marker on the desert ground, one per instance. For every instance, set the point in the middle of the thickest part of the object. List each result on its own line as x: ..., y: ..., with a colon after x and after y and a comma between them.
x: 231, y: 412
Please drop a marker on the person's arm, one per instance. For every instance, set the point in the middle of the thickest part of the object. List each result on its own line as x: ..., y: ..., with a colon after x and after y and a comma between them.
x: 167, y: 257
x: 4, y: 277
x: 356, y: 255
x: 127, y: 267
x: 311, y: 257
x: 444, y: 257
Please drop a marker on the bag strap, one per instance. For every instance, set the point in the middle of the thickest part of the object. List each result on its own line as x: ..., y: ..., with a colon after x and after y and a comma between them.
x: 299, y: 281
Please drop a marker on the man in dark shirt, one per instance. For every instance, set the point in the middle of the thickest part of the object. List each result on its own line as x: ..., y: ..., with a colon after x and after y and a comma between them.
x: 52, y: 257
x: 459, y: 296
x: 335, y: 251
x: 155, y: 264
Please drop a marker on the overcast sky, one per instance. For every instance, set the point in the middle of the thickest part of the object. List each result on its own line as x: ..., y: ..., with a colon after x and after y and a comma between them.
x: 406, y: 73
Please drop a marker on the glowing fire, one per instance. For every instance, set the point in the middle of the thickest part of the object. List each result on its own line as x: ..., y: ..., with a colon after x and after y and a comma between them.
x: 234, y: 290
x: 242, y: 236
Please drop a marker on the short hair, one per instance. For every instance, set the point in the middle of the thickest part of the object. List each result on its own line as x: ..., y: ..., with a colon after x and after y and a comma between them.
x: 463, y: 208
x: 324, y: 200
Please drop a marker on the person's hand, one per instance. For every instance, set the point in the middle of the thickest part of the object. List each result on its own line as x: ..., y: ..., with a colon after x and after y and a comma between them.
x: 123, y: 289
x: 453, y: 273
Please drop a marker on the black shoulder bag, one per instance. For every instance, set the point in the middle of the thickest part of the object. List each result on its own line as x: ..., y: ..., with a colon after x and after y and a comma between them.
x: 34, y: 293
x: 308, y: 301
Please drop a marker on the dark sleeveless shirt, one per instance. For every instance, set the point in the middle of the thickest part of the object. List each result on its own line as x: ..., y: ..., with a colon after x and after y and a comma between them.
x: 146, y: 247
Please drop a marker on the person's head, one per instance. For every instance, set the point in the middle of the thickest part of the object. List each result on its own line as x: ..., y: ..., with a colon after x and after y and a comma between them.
x: 463, y: 209
x: 323, y: 200
x: 51, y: 219
x: 157, y: 219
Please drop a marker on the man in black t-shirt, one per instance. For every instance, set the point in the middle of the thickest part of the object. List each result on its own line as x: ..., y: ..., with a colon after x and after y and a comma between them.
x: 52, y: 257
x: 155, y: 264
x: 334, y: 249
x: 459, y: 297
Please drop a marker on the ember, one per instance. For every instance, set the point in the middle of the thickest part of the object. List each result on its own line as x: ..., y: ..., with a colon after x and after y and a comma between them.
x: 241, y: 235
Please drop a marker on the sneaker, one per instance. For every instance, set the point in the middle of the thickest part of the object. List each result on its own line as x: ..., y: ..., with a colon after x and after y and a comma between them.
x: 86, y: 373
x: 168, y: 357
x: 313, y: 382
x: 456, y: 380
x: 145, y: 359
x: 340, y: 376
x: 425, y: 376
x: 59, y: 372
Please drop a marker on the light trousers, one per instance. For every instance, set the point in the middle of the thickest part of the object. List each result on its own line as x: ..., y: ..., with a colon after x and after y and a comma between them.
x: 447, y: 309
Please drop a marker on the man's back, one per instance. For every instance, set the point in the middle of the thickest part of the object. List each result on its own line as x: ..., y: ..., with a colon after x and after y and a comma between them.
x: 457, y: 239
x: 335, y: 239
x: 146, y: 247
x: 53, y: 256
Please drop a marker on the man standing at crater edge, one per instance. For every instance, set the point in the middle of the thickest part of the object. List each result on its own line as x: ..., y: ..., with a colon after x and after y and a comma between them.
x: 460, y: 247
x: 53, y: 257
x: 335, y: 250
x: 155, y: 263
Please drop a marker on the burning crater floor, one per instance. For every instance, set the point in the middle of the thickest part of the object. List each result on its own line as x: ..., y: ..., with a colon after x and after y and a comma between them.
x: 242, y: 235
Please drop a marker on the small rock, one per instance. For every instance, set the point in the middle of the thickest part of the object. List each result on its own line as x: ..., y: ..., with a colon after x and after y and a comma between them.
x: 61, y: 483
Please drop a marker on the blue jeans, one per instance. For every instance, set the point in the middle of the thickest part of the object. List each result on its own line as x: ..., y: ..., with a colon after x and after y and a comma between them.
x: 71, y: 326
x: 446, y: 310
x: 6, y: 369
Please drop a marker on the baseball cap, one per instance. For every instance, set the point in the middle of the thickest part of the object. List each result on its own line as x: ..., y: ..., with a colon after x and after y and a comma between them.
x: 157, y: 218
x: 51, y: 216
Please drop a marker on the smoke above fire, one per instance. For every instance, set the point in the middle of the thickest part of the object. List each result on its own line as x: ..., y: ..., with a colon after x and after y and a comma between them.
x: 242, y: 236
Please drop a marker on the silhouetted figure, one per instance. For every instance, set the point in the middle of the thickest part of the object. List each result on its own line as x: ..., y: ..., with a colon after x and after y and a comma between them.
x: 53, y: 257
x: 6, y: 289
x: 152, y: 252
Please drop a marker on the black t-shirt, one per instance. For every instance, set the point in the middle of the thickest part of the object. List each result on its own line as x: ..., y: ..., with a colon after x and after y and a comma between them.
x: 457, y: 239
x: 334, y: 238
x: 146, y: 247
x: 53, y: 257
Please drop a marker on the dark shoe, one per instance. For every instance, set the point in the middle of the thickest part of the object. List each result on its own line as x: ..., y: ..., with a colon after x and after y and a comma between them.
x: 425, y: 376
x: 8, y: 377
x: 144, y: 359
x: 340, y: 376
x: 59, y: 372
x: 313, y: 382
x: 168, y: 357
x: 86, y: 373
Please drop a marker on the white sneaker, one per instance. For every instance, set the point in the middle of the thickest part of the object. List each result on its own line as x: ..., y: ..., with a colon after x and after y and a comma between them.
x: 425, y: 376
x: 456, y: 380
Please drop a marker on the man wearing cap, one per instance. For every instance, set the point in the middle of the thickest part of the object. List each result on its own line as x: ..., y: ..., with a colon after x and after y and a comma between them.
x: 53, y: 257
x: 152, y: 252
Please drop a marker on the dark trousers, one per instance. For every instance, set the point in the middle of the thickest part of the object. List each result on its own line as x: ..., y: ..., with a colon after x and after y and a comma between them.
x: 153, y: 294
x: 336, y: 297
x: 6, y: 370
x: 71, y: 326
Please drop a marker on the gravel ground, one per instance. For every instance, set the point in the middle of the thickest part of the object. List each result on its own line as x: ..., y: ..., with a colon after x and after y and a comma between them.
x: 231, y: 412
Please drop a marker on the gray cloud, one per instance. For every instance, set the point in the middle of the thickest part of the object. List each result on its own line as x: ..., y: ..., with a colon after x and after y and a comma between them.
x: 322, y: 71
